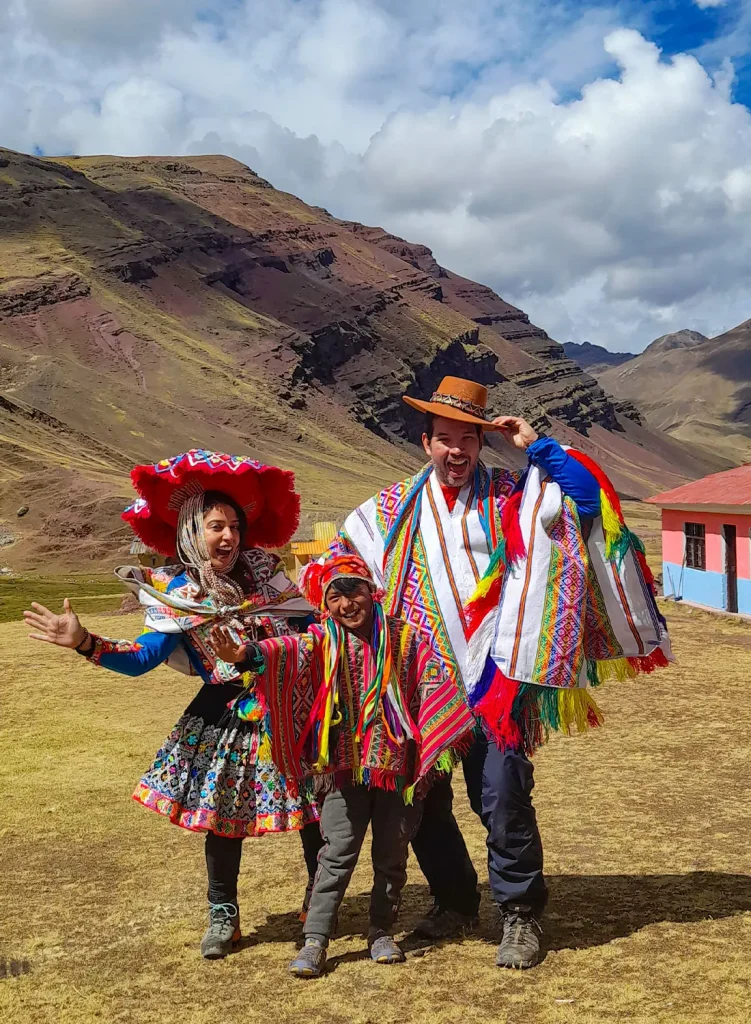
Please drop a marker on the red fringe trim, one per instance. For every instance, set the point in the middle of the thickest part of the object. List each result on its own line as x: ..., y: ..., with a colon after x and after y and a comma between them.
x: 495, y: 711
x: 512, y: 531
x: 382, y: 779
x: 592, y: 719
x: 651, y: 661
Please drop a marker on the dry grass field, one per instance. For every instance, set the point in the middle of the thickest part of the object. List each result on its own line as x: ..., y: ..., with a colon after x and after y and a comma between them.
x: 646, y: 825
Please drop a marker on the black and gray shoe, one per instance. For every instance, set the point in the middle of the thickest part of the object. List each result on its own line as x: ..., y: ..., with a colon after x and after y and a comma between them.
x: 223, y: 931
x: 520, y: 945
x: 440, y: 923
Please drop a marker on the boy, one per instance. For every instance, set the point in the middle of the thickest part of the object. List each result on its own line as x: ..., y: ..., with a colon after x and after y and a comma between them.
x: 360, y: 706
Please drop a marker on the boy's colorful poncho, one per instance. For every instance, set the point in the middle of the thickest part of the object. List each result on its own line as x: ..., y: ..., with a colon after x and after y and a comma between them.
x: 359, y: 742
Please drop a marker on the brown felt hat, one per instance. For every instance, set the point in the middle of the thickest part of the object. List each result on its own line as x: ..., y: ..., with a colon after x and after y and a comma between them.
x: 457, y: 399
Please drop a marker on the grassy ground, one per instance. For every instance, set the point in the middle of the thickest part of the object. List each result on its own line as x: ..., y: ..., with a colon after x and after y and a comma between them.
x: 645, y: 823
x: 90, y: 593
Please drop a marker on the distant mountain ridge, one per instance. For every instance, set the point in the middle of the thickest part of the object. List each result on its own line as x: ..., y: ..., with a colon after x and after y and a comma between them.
x: 684, y: 339
x: 150, y: 305
x: 594, y: 358
x: 698, y: 389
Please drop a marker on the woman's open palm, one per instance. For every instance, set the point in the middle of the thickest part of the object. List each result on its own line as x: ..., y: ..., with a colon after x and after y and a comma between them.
x: 64, y: 630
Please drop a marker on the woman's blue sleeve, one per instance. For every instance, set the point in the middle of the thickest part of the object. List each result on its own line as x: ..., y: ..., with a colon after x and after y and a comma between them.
x: 570, y: 475
x: 133, y: 657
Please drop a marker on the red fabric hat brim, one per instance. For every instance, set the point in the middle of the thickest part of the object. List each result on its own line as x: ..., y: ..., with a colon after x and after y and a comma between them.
x: 317, y: 577
x: 266, y: 494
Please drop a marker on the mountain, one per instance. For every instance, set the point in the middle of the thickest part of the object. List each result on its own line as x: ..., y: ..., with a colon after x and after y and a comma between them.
x: 684, y: 339
x: 594, y: 358
x: 149, y: 305
x: 697, y: 389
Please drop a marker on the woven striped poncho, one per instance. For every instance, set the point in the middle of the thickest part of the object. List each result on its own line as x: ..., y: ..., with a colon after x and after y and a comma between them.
x: 292, y: 684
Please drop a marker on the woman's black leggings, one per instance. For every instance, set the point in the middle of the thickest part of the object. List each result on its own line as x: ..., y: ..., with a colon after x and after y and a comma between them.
x: 223, y: 861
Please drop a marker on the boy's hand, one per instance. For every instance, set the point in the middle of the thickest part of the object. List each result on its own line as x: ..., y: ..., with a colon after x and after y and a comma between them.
x: 226, y: 647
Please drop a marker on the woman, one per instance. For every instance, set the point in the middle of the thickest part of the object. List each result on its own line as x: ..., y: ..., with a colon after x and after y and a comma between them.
x: 214, y: 513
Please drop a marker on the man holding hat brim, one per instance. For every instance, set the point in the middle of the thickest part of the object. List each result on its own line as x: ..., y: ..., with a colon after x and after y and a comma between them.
x: 494, y: 568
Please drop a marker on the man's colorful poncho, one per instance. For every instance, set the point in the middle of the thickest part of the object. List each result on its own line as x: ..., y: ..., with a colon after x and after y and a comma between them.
x: 376, y: 749
x: 524, y: 608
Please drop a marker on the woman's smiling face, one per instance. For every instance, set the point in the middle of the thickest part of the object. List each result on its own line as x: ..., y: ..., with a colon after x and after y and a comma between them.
x: 221, y: 528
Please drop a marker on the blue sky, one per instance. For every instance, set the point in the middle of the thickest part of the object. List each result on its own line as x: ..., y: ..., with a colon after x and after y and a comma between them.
x: 590, y: 161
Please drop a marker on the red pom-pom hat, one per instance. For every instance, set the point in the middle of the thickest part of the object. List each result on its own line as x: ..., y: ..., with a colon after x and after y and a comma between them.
x: 317, y: 577
x: 266, y: 494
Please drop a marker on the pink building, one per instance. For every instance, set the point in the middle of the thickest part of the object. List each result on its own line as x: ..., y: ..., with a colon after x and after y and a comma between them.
x: 706, y: 540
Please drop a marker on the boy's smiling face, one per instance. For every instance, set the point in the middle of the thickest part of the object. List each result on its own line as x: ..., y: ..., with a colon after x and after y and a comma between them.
x: 350, y: 603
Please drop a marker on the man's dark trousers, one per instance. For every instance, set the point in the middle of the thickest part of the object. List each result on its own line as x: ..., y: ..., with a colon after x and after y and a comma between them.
x: 499, y: 786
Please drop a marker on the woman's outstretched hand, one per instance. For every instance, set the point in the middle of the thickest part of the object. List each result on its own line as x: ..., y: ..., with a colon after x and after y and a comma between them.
x: 226, y: 647
x: 64, y: 630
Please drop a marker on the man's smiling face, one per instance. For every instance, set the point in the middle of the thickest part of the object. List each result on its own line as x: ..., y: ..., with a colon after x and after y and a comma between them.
x: 453, y: 449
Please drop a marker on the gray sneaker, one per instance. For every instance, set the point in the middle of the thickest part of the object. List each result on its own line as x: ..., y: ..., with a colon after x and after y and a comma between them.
x: 310, y: 961
x: 443, y: 924
x: 223, y: 931
x: 383, y: 949
x: 520, y: 945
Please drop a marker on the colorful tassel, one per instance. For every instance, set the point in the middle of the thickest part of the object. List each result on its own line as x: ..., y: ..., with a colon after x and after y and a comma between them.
x: 495, y: 709
x: 617, y: 535
x: 521, y: 716
x: 250, y: 707
x: 487, y: 594
x: 264, y: 747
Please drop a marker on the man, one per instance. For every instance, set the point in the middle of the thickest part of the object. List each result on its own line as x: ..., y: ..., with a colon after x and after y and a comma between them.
x: 459, y: 529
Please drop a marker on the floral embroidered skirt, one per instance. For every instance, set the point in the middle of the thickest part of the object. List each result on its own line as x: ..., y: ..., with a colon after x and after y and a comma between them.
x: 209, y: 777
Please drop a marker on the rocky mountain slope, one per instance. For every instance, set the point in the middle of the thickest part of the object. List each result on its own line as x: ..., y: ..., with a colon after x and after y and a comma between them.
x: 151, y: 305
x: 697, y: 389
x: 594, y: 358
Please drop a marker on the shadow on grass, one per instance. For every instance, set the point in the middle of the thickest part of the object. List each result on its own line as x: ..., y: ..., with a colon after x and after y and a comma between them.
x: 584, y: 910
x: 591, y: 910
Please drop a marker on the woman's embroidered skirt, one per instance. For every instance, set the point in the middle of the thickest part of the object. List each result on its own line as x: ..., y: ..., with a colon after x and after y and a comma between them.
x: 208, y: 776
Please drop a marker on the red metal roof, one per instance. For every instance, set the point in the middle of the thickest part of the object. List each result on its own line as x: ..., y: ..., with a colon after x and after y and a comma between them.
x: 733, y: 487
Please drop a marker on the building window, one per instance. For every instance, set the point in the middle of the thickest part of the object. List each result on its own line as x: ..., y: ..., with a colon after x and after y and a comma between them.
x: 696, y: 546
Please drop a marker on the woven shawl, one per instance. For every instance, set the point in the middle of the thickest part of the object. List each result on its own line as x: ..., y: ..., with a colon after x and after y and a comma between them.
x: 269, y: 593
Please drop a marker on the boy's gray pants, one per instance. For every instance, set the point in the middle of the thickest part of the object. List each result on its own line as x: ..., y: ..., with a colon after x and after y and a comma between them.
x: 345, y: 816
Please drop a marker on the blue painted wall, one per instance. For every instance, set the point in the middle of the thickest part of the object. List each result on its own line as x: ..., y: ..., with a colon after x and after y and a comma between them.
x: 744, y: 596
x: 702, y: 587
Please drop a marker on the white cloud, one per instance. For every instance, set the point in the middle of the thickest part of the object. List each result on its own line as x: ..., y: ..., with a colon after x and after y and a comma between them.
x: 613, y: 213
x: 704, y: 4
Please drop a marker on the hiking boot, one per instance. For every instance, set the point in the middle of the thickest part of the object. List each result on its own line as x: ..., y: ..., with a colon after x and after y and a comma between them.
x: 223, y: 931
x: 383, y: 949
x: 310, y: 961
x: 520, y: 945
x: 440, y: 923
